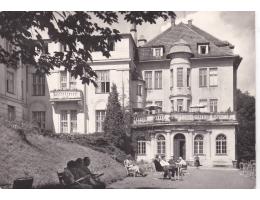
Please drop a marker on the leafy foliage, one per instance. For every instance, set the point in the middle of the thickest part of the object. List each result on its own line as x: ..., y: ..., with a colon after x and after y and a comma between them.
x: 246, y: 127
x: 78, y: 32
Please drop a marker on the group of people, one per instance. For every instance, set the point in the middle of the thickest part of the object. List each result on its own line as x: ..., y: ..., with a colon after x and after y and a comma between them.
x: 78, y: 175
x: 172, y: 168
x: 131, y: 166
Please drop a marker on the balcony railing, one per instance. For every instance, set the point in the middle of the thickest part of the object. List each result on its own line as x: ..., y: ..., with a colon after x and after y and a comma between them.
x: 182, y: 117
x: 66, y: 95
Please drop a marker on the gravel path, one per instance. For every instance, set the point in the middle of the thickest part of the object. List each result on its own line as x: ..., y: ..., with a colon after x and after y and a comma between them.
x: 203, y: 178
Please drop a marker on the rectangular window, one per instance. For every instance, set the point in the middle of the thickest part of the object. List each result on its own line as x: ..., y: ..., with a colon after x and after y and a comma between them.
x: 203, y: 49
x: 179, y: 77
x: 179, y: 105
x: 64, y: 121
x: 141, y: 147
x: 160, y: 104
x: 198, y: 147
x: 221, y: 147
x: 100, y: 117
x: 11, y: 113
x: 171, y: 78
x: 213, y: 105
x: 157, y: 52
x: 213, y: 77
x: 73, y: 121
x: 148, y: 79
x: 188, y: 77
x: 139, y: 90
x: 103, y: 82
x: 203, y: 77
x: 39, y: 117
x: 158, y: 80
x: 10, y: 82
x: 38, y: 85
x: 73, y: 82
x: 63, y: 80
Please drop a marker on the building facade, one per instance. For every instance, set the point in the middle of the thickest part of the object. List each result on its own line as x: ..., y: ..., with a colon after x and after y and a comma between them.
x: 180, y: 86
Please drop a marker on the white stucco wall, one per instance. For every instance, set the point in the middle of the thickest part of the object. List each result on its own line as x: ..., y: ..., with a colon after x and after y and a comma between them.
x: 223, y: 92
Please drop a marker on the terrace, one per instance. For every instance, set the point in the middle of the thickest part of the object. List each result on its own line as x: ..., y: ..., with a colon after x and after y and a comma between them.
x: 183, y: 117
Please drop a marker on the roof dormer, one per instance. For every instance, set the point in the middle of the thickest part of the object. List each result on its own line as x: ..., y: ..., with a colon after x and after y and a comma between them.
x: 157, y: 52
x: 203, y: 48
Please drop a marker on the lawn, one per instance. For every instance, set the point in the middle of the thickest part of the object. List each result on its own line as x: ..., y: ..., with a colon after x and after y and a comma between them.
x: 41, y: 157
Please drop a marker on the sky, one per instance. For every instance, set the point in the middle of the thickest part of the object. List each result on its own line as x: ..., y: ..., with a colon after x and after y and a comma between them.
x: 237, y: 27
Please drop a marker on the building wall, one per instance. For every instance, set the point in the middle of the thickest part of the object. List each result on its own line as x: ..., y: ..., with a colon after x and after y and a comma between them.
x: 209, y: 156
x: 119, y: 74
x: 158, y: 94
x: 40, y: 103
x: 18, y: 97
x: 223, y: 92
x: 119, y: 65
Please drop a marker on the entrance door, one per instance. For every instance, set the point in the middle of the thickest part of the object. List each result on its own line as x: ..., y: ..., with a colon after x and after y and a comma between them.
x: 179, y: 146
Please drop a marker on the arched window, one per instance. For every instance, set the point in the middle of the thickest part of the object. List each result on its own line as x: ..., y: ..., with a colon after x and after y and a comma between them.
x: 161, y: 145
x: 198, y: 144
x: 221, y: 144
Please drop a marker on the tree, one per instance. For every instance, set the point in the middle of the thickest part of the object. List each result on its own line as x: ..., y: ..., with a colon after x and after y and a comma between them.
x: 78, y: 32
x: 246, y: 127
x: 114, y: 123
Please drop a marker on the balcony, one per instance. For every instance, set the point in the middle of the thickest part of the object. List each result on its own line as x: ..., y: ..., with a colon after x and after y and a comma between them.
x: 66, y: 96
x: 166, y: 118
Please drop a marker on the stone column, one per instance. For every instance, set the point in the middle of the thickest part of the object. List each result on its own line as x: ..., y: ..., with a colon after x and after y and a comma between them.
x: 168, y: 145
x: 153, y: 147
x: 209, y: 146
x: 173, y: 134
x: 189, y: 145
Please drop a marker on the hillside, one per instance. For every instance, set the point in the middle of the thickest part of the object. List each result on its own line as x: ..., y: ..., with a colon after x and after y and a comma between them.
x: 41, y: 157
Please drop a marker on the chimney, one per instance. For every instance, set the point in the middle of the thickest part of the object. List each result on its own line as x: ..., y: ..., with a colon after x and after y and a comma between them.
x: 141, y: 41
x: 133, y: 32
x: 172, y: 21
x: 190, y: 22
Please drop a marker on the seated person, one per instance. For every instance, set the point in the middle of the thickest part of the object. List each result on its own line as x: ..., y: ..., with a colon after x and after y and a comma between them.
x: 166, y: 167
x: 197, y: 161
x: 93, y: 179
x: 173, y: 168
x: 70, y: 180
x: 182, y: 165
x: 157, y: 164
x: 130, y: 165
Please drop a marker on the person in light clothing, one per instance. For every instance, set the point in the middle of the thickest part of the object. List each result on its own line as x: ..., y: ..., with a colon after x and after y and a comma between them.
x: 166, y: 168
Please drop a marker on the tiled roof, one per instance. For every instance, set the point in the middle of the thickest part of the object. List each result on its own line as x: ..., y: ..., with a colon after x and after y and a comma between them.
x: 192, y: 35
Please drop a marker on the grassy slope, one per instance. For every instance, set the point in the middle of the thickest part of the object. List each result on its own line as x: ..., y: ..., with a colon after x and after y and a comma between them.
x: 42, y: 157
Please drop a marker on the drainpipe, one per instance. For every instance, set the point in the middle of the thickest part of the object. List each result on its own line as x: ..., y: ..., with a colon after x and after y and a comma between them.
x: 85, y: 104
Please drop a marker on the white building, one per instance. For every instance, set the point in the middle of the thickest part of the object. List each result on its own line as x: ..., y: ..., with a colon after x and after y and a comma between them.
x: 189, y: 74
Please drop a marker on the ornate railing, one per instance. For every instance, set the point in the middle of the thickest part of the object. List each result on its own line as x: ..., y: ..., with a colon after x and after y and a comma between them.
x: 66, y: 95
x: 187, y: 116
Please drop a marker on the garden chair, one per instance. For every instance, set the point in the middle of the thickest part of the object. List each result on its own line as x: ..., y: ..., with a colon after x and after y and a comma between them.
x: 129, y: 171
x: 60, y: 177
